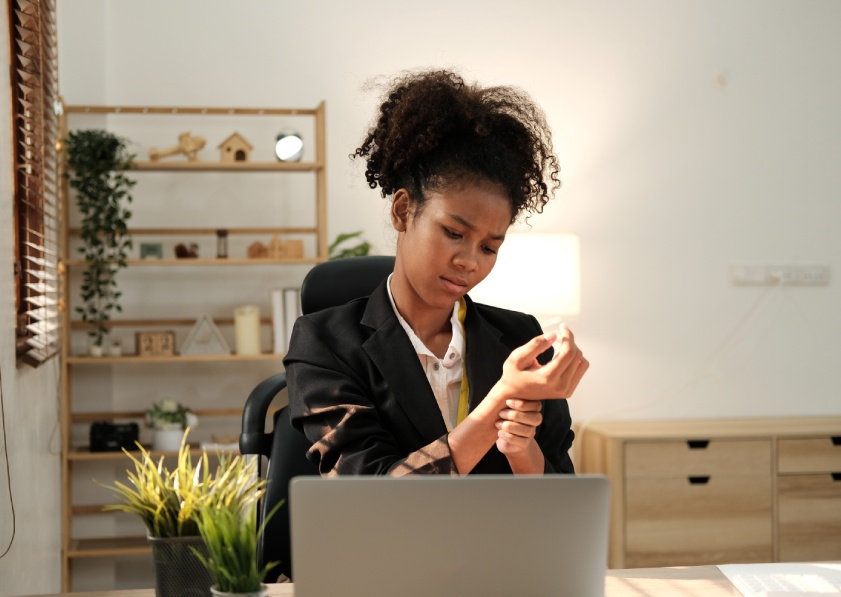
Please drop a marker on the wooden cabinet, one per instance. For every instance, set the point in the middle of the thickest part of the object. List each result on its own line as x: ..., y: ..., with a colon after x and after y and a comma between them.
x: 719, y: 491
x: 809, y: 498
x: 693, y: 501
x: 179, y: 200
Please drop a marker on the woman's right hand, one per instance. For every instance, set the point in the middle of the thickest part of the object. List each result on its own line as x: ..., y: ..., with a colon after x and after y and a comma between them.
x: 524, y: 377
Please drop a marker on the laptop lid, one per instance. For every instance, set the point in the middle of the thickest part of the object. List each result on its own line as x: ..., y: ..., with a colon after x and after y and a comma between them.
x: 446, y: 536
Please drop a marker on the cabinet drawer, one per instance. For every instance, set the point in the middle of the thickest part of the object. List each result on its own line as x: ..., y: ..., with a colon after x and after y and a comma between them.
x: 671, y: 522
x: 697, y: 457
x: 809, y: 514
x: 818, y: 455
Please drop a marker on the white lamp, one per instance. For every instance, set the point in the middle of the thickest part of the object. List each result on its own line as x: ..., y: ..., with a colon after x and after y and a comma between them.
x: 535, y: 273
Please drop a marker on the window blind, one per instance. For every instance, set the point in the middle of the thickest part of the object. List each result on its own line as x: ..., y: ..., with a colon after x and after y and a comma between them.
x: 35, y: 131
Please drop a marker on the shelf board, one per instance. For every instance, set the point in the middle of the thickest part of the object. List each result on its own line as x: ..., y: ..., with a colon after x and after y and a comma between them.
x: 204, y: 111
x: 209, y: 231
x: 84, y: 454
x: 90, y: 417
x: 141, y: 323
x: 190, y: 358
x: 200, y: 166
x: 213, y: 261
x: 91, y: 509
x: 103, y: 547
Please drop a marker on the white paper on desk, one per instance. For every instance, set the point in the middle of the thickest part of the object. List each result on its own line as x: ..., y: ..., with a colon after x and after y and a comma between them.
x: 743, y: 576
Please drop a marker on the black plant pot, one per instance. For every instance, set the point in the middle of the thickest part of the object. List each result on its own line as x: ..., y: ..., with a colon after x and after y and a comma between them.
x: 178, y: 572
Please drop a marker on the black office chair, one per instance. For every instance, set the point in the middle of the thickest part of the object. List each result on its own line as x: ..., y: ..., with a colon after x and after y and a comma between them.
x: 328, y: 284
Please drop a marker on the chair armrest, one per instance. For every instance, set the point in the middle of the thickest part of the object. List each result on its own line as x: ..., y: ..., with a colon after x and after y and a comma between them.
x: 254, y: 439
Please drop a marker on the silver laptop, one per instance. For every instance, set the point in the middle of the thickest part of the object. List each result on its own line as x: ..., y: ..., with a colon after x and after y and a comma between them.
x: 443, y: 536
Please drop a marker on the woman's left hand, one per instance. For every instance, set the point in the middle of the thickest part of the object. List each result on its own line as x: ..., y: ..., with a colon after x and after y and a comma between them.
x: 517, y: 425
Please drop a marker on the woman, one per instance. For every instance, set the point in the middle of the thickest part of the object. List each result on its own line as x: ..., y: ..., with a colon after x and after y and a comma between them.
x: 417, y: 378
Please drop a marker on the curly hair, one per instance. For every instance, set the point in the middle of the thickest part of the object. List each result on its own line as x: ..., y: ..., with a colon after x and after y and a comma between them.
x: 433, y: 130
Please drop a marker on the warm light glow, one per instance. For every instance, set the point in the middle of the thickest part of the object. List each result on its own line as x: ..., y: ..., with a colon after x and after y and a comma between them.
x: 535, y: 273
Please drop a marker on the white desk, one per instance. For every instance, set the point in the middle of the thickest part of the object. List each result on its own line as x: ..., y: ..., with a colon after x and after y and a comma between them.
x: 639, y: 582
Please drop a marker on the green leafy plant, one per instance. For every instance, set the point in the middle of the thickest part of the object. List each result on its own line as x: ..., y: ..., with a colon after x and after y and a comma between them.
x: 231, y: 541
x: 363, y: 247
x: 170, y: 502
x: 169, y: 414
x: 97, y: 163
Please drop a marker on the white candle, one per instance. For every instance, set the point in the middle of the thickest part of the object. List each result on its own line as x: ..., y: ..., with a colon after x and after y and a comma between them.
x: 247, y: 327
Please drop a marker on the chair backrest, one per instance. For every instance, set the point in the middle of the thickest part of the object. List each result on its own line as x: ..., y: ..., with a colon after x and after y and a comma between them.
x: 328, y: 284
x: 339, y: 281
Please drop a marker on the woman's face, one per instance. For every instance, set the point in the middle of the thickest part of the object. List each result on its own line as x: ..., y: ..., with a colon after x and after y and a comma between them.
x: 450, y: 246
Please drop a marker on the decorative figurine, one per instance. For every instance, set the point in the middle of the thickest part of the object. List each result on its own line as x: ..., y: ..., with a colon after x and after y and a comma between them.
x: 188, y: 144
x: 183, y: 251
x: 222, y: 244
x: 258, y: 250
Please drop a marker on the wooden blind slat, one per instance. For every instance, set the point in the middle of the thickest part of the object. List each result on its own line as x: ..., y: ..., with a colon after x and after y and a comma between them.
x: 35, y: 89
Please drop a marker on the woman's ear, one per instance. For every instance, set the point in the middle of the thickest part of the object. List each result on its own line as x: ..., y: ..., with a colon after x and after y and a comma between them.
x: 400, y: 205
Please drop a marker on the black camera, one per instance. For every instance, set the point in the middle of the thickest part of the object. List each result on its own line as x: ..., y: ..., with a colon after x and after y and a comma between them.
x: 113, y: 437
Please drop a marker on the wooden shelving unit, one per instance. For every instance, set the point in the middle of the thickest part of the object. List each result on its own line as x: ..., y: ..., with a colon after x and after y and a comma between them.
x: 74, y: 453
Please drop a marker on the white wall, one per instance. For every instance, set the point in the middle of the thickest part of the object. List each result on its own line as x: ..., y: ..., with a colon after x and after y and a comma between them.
x: 693, y: 135
x: 30, y: 436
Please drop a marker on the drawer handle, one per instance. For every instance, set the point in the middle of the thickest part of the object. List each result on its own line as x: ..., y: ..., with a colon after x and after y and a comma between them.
x: 836, y: 440
x: 836, y: 476
x: 699, y: 480
x: 698, y: 444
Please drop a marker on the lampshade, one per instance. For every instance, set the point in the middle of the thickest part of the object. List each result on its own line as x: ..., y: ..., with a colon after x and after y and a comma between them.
x: 535, y: 273
x: 289, y: 147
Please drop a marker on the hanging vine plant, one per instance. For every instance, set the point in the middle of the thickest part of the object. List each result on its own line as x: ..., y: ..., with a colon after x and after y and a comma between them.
x: 97, y: 161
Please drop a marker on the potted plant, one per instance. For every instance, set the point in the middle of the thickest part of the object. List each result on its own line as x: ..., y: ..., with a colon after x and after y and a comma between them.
x: 97, y: 162
x: 169, y: 419
x: 171, y: 504
x: 339, y: 248
x: 230, y: 539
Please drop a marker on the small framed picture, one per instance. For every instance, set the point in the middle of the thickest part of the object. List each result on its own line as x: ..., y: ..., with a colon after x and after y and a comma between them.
x: 151, y: 251
x: 155, y: 344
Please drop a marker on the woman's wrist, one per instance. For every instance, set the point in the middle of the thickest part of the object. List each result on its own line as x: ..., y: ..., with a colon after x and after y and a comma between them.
x: 528, y: 462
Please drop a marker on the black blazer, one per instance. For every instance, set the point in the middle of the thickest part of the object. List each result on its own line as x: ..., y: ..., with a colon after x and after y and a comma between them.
x: 358, y: 391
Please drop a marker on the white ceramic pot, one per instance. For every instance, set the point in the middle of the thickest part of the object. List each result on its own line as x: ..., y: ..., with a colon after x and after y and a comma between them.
x: 95, y: 350
x: 167, y: 440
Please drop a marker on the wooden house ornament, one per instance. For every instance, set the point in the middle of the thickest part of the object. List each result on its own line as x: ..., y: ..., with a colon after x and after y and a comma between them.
x: 285, y: 249
x: 235, y: 149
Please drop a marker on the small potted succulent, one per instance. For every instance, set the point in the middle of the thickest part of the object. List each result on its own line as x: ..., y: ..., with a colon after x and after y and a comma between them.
x: 169, y: 419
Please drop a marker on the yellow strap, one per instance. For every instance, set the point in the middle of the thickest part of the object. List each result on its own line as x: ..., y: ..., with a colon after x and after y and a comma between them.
x: 464, y: 394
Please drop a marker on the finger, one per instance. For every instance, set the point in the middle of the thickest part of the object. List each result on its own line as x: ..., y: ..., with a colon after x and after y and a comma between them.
x: 525, y: 355
x: 533, y: 418
x: 517, y: 428
x: 566, y: 351
x: 523, y: 405
x: 572, y: 376
x: 508, y: 444
x: 579, y: 373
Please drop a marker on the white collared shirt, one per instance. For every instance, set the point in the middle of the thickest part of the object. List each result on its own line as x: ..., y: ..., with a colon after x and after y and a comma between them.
x: 444, y: 375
